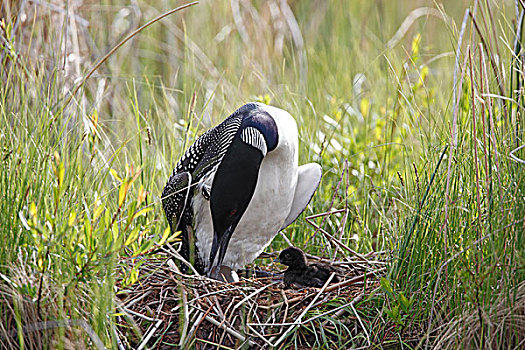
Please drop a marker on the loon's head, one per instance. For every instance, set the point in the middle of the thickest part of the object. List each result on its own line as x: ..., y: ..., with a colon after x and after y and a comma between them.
x: 293, y: 257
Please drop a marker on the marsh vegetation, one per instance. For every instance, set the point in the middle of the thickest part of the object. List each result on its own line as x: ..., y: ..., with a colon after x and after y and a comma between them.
x: 413, y: 109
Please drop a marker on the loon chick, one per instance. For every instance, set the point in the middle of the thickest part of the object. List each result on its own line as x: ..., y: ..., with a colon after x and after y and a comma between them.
x: 237, y: 186
x: 302, y: 274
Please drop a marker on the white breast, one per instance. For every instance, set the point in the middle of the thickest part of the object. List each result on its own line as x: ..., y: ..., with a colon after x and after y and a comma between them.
x: 270, y: 204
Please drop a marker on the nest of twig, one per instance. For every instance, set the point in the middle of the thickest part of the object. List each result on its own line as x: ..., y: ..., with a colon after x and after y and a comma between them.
x: 167, y: 309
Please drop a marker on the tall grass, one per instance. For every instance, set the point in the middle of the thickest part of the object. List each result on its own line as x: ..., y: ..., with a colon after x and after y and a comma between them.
x: 435, y: 182
x: 459, y: 262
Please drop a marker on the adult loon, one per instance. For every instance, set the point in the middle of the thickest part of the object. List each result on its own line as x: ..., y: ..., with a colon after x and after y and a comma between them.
x: 237, y: 186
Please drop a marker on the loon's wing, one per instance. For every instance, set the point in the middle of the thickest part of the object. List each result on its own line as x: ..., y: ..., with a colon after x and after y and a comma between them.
x: 197, y: 161
x: 308, y: 179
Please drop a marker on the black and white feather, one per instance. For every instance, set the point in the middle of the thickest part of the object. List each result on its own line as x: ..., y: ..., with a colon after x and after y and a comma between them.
x: 254, y: 138
x: 196, y: 162
x: 237, y: 186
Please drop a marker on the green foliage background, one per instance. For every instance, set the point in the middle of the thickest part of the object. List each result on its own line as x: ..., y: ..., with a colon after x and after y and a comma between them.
x: 81, y: 180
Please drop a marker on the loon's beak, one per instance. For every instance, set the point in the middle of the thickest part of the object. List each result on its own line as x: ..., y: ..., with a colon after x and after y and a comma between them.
x: 219, y: 246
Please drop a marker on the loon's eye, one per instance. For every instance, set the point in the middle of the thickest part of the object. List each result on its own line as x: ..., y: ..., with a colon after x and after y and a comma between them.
x: 233, y: 212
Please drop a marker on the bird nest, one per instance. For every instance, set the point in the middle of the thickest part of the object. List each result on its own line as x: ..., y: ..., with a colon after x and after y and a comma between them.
x: 167, y: 309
